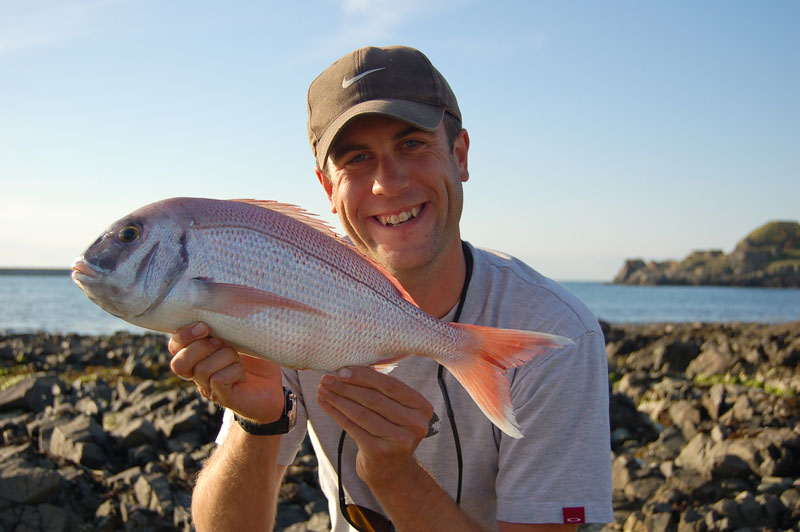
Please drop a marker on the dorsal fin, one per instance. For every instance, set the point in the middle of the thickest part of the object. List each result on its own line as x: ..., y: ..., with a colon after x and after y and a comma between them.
x: 312, y: 220
x: 293, y: 211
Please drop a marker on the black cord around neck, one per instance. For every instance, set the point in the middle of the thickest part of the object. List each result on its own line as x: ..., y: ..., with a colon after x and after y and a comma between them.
x: 440, y: 375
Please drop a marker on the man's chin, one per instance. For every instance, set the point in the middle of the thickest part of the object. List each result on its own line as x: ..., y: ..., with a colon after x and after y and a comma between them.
x: 399, y: 259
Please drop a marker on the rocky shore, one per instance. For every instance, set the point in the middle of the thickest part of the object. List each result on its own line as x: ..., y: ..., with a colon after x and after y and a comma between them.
x: 97, y: 434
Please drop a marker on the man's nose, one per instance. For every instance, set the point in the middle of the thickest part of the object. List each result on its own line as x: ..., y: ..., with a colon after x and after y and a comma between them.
x: 391, y: 177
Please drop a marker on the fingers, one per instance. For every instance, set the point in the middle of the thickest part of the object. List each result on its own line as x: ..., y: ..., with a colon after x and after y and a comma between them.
x: 206, y: 370
x: 247, y: 385
x: 376, y: 403
x: 185, y: 335
x: 371, y: 384
x: 202, y: 359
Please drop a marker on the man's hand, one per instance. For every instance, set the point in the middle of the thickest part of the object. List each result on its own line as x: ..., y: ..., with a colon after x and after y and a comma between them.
x: 386, y: 418
x: 249, y: 386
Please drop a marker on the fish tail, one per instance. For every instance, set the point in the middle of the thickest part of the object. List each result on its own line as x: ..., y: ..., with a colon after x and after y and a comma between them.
x: 487, y: 353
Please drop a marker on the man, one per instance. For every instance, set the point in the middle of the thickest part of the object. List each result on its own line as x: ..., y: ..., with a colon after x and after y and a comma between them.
x: 385, y: 129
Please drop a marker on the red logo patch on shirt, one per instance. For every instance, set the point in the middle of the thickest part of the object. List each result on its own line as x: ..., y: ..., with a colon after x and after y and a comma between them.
x: 573, y: 516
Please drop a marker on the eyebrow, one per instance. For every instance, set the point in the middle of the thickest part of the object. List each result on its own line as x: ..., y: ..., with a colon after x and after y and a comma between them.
x: 339, y: 151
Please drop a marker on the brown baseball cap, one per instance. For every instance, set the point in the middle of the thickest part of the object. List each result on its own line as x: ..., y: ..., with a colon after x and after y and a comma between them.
x: 395, y: 81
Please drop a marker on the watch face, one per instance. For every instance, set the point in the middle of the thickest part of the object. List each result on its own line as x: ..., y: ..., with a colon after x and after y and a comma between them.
x: 290, y: 408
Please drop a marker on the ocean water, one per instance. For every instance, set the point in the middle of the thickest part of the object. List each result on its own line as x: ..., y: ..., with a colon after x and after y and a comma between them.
x: 53, y: 303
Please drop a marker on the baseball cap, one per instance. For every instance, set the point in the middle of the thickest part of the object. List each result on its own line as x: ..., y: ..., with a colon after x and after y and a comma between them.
x: 395, y: 81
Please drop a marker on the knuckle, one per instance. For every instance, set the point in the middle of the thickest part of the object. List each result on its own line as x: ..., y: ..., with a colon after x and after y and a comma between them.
x: 174, y: 345
x: 420, y: 431
x: 406, y: 440
x: 177, y: 367
x: 378, y: 400
x: 361, y: 415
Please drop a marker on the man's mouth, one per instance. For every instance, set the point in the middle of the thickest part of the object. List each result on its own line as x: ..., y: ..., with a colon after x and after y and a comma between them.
x: 398, y: 218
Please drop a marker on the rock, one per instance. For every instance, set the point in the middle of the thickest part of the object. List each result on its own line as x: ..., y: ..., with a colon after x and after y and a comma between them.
x: 713, y: 360
x: 135, y: 433
x: 688, y: 521
x: 81, y: 441
x: 319, y: 522
x: 136, y: 368
x: 24, y: 483
x: 743, y: 408
x: 31, y: 394
x: 774, y: 485
x: 675, y: 356
x: 686, y: 417
x: 659, y: 522
x: 667, y: 446
x: 187, y: 420
x: 714, y: 401
x: 153, y: 492
x: 40, y: 518
x: 642, y: 489
x: 289, y: 514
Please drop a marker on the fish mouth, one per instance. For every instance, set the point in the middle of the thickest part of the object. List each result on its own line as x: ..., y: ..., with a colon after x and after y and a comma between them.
x: 83, y: 271
x: 399, y: 218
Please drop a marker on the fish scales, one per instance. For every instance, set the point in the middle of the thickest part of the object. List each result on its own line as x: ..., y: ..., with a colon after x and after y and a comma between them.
x: 303, y: 264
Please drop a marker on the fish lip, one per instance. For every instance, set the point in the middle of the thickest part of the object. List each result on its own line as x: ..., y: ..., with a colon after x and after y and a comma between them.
x: 83, y: 271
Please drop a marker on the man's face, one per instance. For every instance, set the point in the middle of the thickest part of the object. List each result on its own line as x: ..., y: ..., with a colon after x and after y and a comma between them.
x: 397, y: 189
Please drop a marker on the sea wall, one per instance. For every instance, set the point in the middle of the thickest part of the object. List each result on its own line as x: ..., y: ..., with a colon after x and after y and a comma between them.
x: 97, y: 434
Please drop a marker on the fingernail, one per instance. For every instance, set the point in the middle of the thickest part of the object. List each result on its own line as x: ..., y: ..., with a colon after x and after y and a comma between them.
x: 198, y: 329
x: 327, y: 380
x: 344, y: 373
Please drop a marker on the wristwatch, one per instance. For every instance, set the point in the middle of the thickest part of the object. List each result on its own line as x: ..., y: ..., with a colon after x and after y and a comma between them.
x: 283, y: 425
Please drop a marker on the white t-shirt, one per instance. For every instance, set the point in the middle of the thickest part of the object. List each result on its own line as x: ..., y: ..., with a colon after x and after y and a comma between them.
x: 559, y: 472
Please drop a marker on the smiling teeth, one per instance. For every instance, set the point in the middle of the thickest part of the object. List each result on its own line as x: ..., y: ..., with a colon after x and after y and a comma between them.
x: 397, y: 219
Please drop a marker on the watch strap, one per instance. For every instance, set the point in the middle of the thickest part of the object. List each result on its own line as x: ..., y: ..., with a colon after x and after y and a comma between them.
x: 281, y: 426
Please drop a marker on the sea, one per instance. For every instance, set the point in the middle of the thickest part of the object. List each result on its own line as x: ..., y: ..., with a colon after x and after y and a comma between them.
x: 51, y: 302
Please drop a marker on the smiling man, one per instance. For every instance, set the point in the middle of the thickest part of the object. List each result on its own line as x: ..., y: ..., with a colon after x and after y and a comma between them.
x: 409, y: 450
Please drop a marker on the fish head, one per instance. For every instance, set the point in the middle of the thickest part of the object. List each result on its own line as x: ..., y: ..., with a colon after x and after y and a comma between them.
x: 134, y: 263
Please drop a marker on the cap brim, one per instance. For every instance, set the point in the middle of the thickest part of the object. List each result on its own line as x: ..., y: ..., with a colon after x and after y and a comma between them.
x: 423, y: 116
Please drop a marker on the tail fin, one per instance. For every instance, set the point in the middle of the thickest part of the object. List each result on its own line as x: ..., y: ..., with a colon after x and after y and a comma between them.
x: 488, y: 352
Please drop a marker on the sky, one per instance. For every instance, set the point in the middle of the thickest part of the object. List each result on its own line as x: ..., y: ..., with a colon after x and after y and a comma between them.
x: 600, y: 130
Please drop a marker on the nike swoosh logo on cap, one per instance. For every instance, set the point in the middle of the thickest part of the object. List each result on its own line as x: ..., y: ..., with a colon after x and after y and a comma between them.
x: 347, y: 82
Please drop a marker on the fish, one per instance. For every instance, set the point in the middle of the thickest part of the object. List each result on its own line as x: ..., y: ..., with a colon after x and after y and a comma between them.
x: 278, y: 283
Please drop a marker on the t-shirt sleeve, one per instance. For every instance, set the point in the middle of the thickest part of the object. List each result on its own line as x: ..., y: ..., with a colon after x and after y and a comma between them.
x: 560, y: 470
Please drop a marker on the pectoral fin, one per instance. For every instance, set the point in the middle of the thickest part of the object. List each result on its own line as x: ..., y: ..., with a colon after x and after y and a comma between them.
x: 240, y: 301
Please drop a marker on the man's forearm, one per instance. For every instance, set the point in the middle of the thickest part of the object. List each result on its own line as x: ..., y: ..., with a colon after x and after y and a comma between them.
x: 418, y: 503
x: 238, y: 487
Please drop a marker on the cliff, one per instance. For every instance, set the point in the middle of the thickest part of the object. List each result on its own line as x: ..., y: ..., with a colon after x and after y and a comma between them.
x: 768, y: 256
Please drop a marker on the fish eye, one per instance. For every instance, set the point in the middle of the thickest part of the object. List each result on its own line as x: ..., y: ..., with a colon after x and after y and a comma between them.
x: 129, y: 233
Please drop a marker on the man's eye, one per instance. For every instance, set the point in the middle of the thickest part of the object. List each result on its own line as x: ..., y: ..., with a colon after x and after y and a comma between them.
x: 412, y: 143
x: 361, y: 157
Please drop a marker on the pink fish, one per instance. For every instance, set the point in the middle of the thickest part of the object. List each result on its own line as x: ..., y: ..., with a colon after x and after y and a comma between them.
x: 279, y: 284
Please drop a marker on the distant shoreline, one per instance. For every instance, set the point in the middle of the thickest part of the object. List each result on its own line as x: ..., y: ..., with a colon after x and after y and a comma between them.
x: 35, y: 271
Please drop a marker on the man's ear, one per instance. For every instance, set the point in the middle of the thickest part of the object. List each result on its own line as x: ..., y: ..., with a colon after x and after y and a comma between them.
x: 326, y: 183
x: 460, y: 150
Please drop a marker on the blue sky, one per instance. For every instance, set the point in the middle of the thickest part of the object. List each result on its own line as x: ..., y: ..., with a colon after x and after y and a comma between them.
x: 599, y: 130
